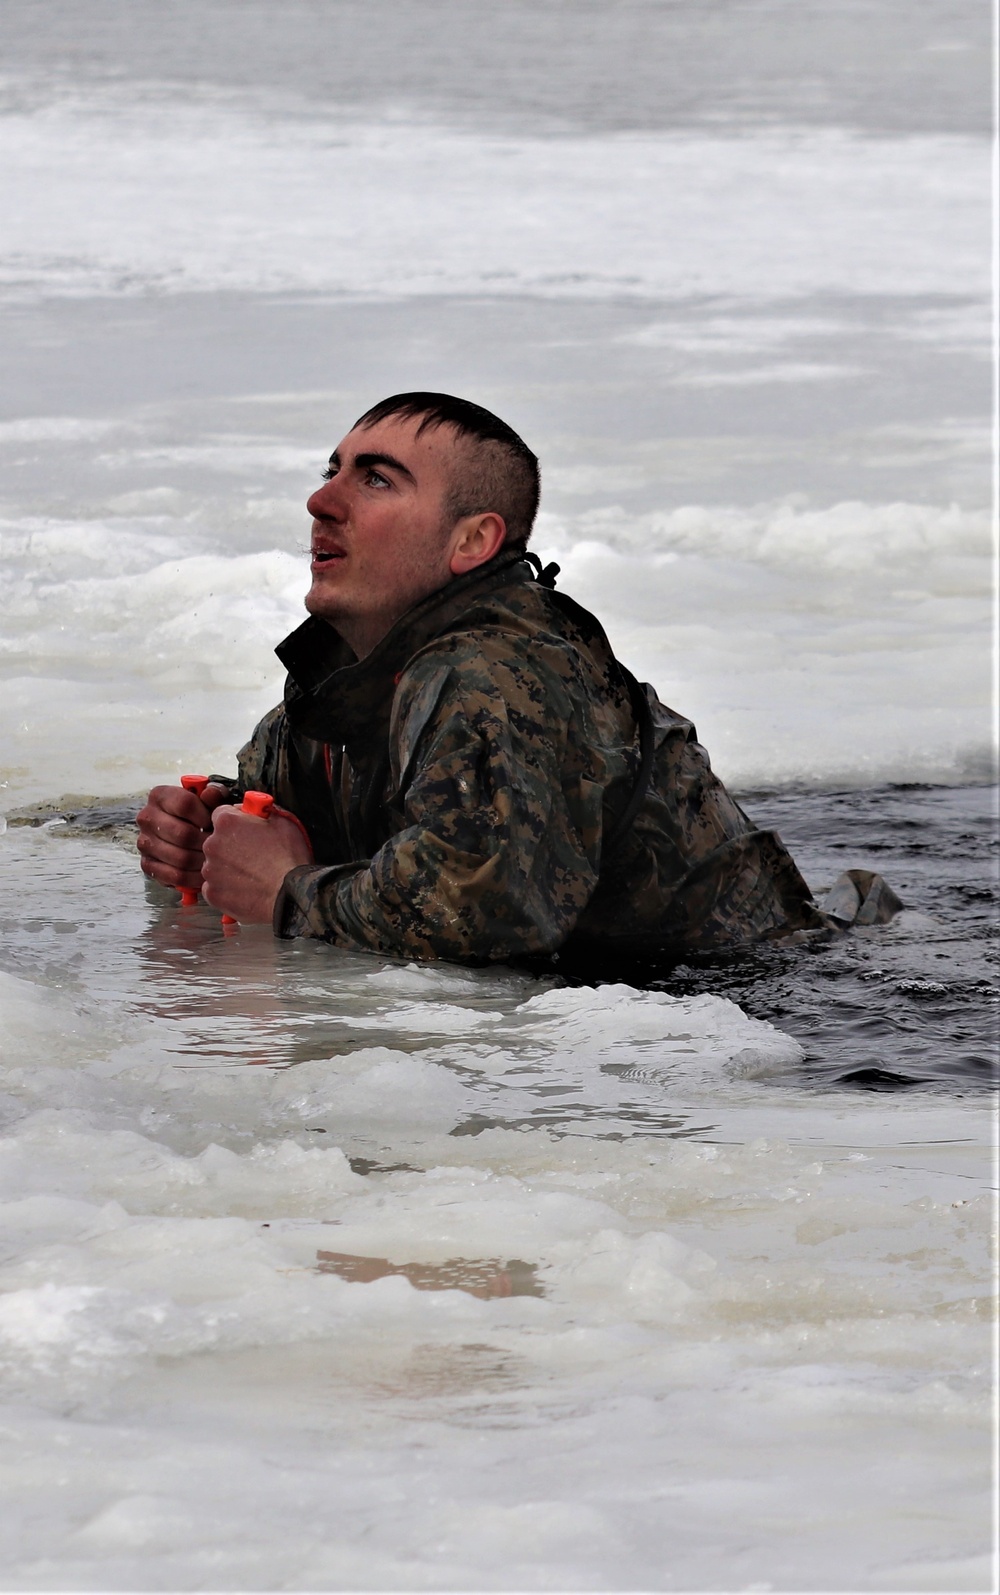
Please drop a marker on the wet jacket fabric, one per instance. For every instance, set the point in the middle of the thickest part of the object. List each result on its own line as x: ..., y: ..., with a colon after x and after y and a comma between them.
x: 489, y: 783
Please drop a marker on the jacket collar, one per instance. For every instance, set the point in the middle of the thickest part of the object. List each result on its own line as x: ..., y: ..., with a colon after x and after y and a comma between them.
x: 333, y: 697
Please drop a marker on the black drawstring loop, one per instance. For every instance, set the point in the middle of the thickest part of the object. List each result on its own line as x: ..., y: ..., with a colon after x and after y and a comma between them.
x: 545, y: 577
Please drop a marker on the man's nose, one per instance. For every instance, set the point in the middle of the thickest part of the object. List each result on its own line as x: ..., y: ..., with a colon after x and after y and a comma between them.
x: 327, y: 503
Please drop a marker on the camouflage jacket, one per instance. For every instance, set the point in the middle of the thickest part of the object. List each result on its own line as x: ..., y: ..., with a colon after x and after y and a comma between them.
x: 490, y: 783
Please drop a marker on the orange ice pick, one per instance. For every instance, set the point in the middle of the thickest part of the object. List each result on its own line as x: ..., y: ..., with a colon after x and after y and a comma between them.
x: 259, y: 804
x: 197, y: 785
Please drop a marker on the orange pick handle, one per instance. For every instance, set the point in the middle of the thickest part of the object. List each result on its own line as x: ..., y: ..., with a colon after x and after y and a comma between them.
x: 197, y: 785
x: 260, y: 805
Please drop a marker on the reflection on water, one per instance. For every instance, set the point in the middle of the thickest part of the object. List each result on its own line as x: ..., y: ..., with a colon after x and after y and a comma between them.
x: 480, y: 1277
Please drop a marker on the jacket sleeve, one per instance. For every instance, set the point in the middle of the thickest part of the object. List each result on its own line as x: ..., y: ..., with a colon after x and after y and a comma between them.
x: 498, y: 853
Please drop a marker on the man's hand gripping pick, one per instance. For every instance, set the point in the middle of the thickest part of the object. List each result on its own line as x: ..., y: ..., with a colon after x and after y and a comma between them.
x: 236, y: 860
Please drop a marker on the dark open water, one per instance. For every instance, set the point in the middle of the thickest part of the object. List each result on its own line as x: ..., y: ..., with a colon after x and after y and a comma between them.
x: 916, y: 1003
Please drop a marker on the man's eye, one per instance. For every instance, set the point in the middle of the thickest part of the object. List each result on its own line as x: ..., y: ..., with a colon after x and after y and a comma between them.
x: 376, y: 479
x: 330, y: 472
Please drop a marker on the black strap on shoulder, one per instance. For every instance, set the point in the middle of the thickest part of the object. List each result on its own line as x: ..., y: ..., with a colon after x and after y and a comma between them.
x: 546, y: 577
x: 644, y: 774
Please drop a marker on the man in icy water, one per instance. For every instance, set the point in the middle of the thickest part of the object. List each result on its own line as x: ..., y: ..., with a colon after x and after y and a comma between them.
x: 473, y: 773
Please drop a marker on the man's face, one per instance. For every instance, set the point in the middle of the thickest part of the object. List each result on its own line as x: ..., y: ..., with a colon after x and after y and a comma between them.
x: 379, y: 543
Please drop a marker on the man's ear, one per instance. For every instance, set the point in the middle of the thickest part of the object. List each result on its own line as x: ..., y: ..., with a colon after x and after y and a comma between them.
x: 475, y: 540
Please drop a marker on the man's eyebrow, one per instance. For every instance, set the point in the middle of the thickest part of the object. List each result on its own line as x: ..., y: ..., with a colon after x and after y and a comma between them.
x: 366, y: 462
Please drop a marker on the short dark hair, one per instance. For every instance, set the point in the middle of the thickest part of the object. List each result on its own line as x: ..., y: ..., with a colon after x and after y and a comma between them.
x: 498, y: 471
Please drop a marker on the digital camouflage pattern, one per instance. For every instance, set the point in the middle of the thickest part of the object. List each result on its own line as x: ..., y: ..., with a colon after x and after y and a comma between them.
x: 460, y: 785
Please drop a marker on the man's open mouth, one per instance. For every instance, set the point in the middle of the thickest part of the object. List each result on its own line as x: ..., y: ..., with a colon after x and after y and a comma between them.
x: 320, y: 556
